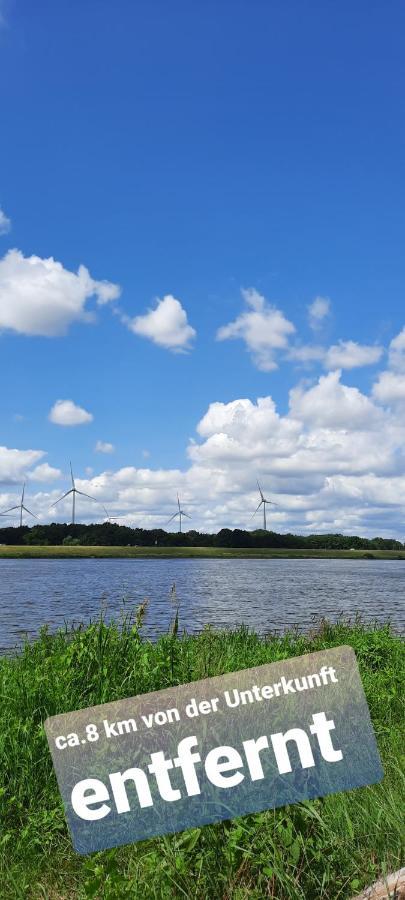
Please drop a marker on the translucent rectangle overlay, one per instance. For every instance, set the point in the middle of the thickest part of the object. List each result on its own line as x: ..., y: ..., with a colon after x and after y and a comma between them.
x: 214, y: 749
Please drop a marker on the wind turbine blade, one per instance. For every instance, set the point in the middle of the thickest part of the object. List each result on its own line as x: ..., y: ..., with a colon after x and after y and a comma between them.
x: 260, y: 490
x: 186, y: 515
x: 71, y: 474
x: 257, y: 510
x: 86, y: 495
x: 61, y: 498
x: 178, y: 502
x: 10, y: 509
x: 110, y: 518
x: 22, y: 495
x: 173, y: 517
x: 30, y: 513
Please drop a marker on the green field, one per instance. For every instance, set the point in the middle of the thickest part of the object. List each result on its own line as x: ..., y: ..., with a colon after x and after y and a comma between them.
x: 326, y: 849
x: 87, y: 552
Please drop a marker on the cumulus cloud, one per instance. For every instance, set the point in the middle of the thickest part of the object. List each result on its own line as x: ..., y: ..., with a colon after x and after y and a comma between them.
x: 40, y: 297
x: 343, y: 355
x: 166, y: 325
x: 264, y: 329
x: 14, y: 464
x: 390, y: 387
x: 5, y: 222
x: 333, y: 461
x: 332, y: 404
x: 306, y: 353
x: 65, y: 412
x: 318, y: 310
x: 297, y: 450
x: 396, y: 352
x: 351, y: 355
x: 45, y: 473
x: 104, y: 447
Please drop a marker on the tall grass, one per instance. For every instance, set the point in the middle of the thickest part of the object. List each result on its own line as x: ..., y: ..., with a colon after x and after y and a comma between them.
x: 327, y: 848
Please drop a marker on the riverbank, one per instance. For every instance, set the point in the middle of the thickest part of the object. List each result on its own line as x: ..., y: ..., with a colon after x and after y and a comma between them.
x: 327, y: 848
x: 8, y: 551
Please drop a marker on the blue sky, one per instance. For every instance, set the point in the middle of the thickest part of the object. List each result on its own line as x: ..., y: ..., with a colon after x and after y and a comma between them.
x: 195, y: 151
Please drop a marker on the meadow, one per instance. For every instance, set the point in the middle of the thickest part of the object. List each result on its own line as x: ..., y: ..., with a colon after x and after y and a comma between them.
x: 9, y: 551
x: 327, y: 848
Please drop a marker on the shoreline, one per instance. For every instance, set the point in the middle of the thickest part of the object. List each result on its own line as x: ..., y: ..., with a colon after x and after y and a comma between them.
x: 9, y: 551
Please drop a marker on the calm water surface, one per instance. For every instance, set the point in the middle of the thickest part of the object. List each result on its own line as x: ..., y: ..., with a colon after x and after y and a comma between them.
x: 266, y: 595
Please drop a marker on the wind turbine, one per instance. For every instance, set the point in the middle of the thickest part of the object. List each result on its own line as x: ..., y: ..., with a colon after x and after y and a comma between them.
x: 263, y: 502
x: 108, y: 517
x: 73, y: 491
x: 21, y: 507
x: 180, y: 512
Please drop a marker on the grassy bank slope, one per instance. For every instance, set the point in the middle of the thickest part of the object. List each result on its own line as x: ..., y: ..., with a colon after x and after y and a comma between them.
x: 82, y: 552
x: 327, y: 848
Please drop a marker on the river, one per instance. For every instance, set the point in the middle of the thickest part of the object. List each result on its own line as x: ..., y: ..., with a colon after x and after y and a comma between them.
x: 265, y: 595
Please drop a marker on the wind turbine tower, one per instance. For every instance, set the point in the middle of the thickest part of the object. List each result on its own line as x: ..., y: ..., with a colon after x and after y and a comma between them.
x: 20, y: 506
x: 263, y: 502
x: 180, y: 513
x: 73, y: 491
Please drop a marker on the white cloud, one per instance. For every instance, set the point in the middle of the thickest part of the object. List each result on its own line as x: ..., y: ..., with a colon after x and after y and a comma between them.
x: 14, y: 464
x: 331, y: 404
x: 334, y: 461
x: 104, y: 447
x: 166, y: 325
x: 298, y: 450
x: 318, y: 310
x: 343, y: 355
x: 5, y: 222
x: 306, y: 353
x: 390, y: 387
x: 396, y: 352
x: 45, y: 473
x: 263, y: 328
x: 369, y: 488
x: 350, y: 355
x: 65, y: 412
x: 41, y: 297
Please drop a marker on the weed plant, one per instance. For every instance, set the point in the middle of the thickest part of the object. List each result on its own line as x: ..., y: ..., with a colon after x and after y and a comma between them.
x: 327, y: 848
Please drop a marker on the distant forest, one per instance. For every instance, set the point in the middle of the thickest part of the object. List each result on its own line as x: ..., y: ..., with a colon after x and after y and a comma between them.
x: 110, y: 534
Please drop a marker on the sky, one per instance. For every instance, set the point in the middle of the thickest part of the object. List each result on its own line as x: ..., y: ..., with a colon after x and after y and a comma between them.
x: 202, y: 226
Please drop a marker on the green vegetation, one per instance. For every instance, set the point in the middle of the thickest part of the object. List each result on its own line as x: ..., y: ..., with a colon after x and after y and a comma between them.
x: 109, y: 534
x: 328, y: 848
x: 72, y: 550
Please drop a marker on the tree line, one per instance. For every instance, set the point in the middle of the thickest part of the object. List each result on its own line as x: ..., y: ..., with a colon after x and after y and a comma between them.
x: 109, y: 534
